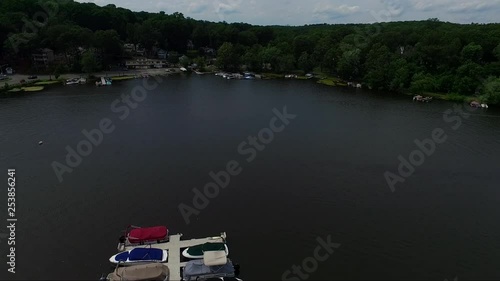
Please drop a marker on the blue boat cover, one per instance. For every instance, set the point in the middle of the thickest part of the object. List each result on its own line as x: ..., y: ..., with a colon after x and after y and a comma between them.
x: 122, y: 257
x: 146, y: 254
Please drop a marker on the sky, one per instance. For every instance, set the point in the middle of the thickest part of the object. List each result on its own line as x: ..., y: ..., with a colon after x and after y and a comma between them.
x: 300, y: 12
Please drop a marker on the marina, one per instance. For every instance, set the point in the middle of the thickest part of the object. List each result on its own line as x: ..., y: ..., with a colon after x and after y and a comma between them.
x: 172, y: 256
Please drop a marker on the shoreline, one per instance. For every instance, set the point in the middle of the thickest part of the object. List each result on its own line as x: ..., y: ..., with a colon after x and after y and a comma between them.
x: 38, y: 84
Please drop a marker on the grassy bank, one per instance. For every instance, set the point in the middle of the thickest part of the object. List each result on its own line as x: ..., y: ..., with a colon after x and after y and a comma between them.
x: 332, y: 81
x: 122, y: 78
x: 27, y: 89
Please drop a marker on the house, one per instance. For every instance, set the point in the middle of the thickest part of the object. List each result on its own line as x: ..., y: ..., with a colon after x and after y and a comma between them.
x: 140, y: 51
x: 9, y: 71
x: 207, y: 51
x: 143, y: 63
x: 129, y: 48
x: 162, y: 54
x: 43, y: 58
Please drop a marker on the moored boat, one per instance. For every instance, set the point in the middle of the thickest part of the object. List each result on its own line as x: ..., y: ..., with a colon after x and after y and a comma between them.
x: 420, y: 98
x: 198, y: 270
x: 144, y: 272
x: 197, y: 252
x: 139, y: 256
x: 135, y: 235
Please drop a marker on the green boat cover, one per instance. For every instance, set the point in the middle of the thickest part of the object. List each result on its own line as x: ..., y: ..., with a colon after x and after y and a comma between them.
x: 199, y: 249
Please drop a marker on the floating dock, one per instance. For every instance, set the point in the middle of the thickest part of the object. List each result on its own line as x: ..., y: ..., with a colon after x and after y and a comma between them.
x: 175, y: 246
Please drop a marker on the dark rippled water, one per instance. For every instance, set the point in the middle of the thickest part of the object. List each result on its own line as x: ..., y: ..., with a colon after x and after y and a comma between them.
x: 323, y: 175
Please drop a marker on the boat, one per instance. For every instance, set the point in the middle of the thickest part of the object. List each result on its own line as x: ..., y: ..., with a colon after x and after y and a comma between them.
x: 105, y: 81
x: 135, y: 235
x: 199, y: 72
x: 422, y: 99
x: 198, y: 270
x: 476, y: 104
x: 73, y: 81
x: 197, y: 252
x: 139, y: 256
x: 174, y: 247
x: 143, y: 272
x: 183, y: 69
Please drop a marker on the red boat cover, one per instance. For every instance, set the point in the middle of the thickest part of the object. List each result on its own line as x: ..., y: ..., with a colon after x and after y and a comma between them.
x: 147, y: 234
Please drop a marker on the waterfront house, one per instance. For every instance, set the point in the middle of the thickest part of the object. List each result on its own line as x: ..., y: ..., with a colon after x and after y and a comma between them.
x: 143, y: 63
x: 162, y: 54
x: 129, y: 48
x: 43, y: 58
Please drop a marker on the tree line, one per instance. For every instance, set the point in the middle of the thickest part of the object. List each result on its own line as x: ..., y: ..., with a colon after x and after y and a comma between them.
x: 418, y: 56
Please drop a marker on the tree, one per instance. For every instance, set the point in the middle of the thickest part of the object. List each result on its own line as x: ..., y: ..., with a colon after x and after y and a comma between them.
x: 377, y: 66
x: 185, y: 61
x: 226, y: 57
x: 109, y: 42
x: 423, y: 82
x: 90, y: 63
x: 496, y: 52
x: 305, y: 62
x: 468, y: 78
x: 349, y: 63
x: 491, y: 91
x: 472, y: 52
x: 253, y: 59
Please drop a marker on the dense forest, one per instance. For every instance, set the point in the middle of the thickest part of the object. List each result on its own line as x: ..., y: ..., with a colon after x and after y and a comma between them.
x: 419, y: 56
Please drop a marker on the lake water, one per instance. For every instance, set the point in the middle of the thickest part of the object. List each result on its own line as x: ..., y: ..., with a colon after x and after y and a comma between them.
x: 322, y: 176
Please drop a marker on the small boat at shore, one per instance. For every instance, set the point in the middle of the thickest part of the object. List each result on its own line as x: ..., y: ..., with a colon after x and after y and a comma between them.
x: 139, y: 256
x: 197, y: 252
x: 476, y: 104
x: 144, y: 272
x: 420, y: 98
x: 75, y: 81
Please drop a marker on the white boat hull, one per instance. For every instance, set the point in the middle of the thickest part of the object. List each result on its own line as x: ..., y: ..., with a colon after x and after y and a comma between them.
x: 186, y: 255
x: 129, y: 262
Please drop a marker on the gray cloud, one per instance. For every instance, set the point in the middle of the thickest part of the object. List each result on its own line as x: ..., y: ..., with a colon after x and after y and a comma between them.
x: 299, y: 12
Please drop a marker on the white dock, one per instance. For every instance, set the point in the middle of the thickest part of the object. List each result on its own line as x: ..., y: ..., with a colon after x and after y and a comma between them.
x: 175, y: 246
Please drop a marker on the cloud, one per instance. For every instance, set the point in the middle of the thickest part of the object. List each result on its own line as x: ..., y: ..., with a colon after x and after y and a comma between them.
x: 425, y: 5
x: 227, y: 7
x: 197, y: 7
x: 472, y: 6
x: 299, y: 12
x: 328, y: 10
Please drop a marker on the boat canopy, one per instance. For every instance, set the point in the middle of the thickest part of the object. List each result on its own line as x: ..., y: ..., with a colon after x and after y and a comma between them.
x: 200, y: 249
x: 141, y: 254
x: 213, y: 258
x: 139, y: 235
x: 197, y: 268
x: 155, y: 272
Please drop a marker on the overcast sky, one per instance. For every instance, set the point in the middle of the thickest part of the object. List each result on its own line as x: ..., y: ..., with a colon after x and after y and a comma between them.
x: 299, y: 12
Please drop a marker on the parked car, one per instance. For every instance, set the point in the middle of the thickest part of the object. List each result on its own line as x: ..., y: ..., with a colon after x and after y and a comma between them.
x: 32, y: 77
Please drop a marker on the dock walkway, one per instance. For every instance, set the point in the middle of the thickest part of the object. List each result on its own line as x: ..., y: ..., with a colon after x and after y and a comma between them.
x: 175, y: 246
